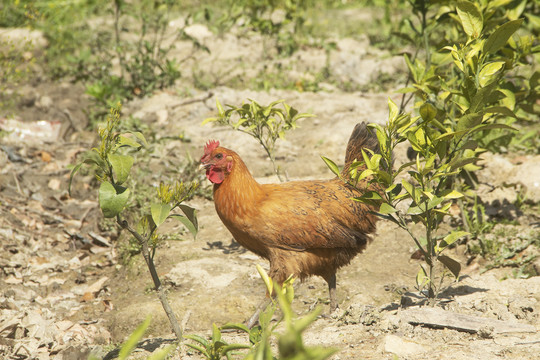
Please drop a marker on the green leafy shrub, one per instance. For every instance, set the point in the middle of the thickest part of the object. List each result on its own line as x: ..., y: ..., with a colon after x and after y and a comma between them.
x: 481, y: 40
x: 15, y: 68
x: 113, y: 167
x: 267, y: 124
x: 279, y: 21
x: 143, y: 62
x: 455, y: 112
x: 215, y: 348
x: 118, y: 49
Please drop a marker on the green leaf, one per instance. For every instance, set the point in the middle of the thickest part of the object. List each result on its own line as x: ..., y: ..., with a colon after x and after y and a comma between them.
x: 162, y: 354
x: 482, y: 97
x: 210, y: 119
x: 233, y: 347
x: 406, y: 165
x: 394, y: 189
x: 459, y: 162
x: 393, y: 111
x: 121, y: 165
x: 198, y: 339
x: 235, y: 326
x: 534, y: 20
x: 365, y: 174
x: 411, y: 190
x: 331, y: 165
x: 434, y: 202
x: 112, y: 199
x: 415, y: 210
x: 387, y: 209
x: 127, y: 141
x: 302, y: 323
x: 448, y: 135
x: 267, y: 280
x: 371, y: 195
x: 500, y: 36
x: 421, y: 277
x: 187, y: 223
x: 412, y: 69
x: 140, y: 137
x: 92, y: 158
x: 302, y: 116
x: 452, y: 238
x: 216, y: 334
x: 509, y: 99
x: 488, y: 70
x: 221, y: 112
x: 384, y: 177
x: 189, y: 220
x: 467, y: 122
x: 73, y: 172
x: 451, y: 264
x: 133, y: 339
x: 449, y: 194
x: 500, y: 110
x: 470, y: 17
x: 160, y: 212
x: 197, y: 347
x: 482, y: 127
x: 406, y: 90
x: 367, y: 160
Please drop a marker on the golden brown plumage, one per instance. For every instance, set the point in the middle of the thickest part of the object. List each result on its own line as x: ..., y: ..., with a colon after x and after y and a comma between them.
x: 303, y: 228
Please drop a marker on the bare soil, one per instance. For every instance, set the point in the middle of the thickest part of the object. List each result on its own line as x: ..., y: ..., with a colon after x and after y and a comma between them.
x: 65, y: 291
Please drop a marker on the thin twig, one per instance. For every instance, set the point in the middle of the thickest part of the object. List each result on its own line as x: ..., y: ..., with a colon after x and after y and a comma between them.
x: 191, y: 101
x: 17, y: 183
x: 185, y: 320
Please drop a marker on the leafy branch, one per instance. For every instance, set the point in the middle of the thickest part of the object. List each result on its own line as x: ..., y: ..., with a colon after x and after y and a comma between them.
x: 112, y: 171
x: 267, y: 124
x: 444, y: 138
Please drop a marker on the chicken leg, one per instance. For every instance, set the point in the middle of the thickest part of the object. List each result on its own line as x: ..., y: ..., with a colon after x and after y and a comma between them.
x: 332, y: 292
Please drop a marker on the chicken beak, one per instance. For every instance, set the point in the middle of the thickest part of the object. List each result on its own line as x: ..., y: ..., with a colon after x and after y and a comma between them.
x: 204, y: 166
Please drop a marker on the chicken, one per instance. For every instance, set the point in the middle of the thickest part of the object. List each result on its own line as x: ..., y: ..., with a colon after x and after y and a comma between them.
x: 303, y: 228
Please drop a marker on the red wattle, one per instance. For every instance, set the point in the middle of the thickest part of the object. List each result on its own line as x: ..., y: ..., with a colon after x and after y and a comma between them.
x: 216, y: 177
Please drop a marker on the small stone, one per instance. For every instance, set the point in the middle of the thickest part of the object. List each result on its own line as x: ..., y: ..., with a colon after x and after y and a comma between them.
x: 45, y: 102
x: 198, y: 31
x: 54, y: 184
x: 162, y: 116
x: 402, y: 347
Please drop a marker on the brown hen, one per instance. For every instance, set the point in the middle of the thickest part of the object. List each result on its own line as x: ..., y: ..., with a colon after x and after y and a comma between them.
x: 303, y: 228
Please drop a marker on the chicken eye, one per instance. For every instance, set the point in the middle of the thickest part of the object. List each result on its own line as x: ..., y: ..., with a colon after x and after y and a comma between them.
x: 219, y: 156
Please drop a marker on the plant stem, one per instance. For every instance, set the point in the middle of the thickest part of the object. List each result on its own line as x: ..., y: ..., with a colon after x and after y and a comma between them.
x: 272, y: 158
x: 431, y: 254
x: 425, y: 36
x: 403, y: 224
x: 157, y: 283
x: 117, y: 37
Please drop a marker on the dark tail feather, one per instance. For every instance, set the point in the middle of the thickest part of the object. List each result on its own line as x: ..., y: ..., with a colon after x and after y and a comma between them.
x: 362, y: 137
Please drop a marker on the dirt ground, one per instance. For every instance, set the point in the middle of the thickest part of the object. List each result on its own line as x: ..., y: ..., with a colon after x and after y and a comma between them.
x: 66, y: 293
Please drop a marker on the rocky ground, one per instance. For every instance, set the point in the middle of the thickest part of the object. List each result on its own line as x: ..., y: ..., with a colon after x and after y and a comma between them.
x: 65, y: 291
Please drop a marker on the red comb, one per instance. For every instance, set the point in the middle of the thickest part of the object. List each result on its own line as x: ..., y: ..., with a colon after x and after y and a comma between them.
x: 210, y: 146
